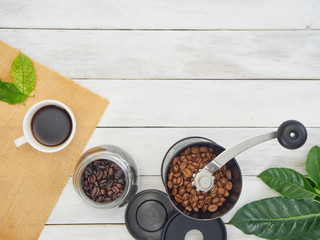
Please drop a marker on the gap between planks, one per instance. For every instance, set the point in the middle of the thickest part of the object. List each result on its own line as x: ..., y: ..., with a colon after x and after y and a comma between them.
x: 157, y: 29
x: 197, y: 79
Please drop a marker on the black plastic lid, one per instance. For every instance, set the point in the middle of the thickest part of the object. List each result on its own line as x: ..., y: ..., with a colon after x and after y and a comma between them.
x: 151, y: 215
x: 179, y: 226
x: 147, y: 214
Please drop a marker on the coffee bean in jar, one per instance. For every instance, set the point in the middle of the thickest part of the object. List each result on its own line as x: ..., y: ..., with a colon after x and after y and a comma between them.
x: 103, y: 181
x: 180, y: 176
x: 106, y: 177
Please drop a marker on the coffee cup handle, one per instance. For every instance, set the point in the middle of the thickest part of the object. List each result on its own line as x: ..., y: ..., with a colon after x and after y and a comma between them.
x: 20, y: 141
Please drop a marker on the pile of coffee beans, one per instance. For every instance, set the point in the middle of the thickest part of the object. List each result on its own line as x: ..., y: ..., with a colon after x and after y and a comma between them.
x: 103, y: 181
x: 182, y: 191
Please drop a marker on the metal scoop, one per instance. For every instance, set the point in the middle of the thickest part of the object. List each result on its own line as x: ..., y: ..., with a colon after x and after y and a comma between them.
x: 291, y: 134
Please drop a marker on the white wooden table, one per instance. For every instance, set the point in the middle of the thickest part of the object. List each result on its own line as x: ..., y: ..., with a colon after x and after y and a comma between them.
x: 222, y: 69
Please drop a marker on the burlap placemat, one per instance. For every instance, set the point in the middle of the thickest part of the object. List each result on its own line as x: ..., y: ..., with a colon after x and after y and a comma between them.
x: 31, y: 181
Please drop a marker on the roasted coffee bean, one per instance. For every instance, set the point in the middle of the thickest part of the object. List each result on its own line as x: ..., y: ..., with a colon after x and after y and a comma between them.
x: 182, y: 191
x: 183, y: 166
x: 204, y: 208
x: 110, y: 193
x: 204, y: 149
x: 103, y: 192
x: 187, y: 151
x: 103, y: 181
x: 212, y: 208
x: 115, y: 189
x: 109, y: 183
x: 92, y: 178
x: 105, y: 174
x: 189, y: 208
x: 195, y: 198
x: 185, y: 196
x: 110, y: 171
x: 228, y: 174
x: 118, y: 174
x: 121, y: 181
x: 193, y: 192
x: 195, y: 149
x: 169, y: 184
x: 221, y: 191
x: 174, y: 181
x: 174, y: 191
x: 99, y: 174
x: 88, y: 170
x: 95, y: 192
x: 215, y: 200
x: 207, y: 200
x: 170, y: 177
x: 185, y: 203
x: 178, y: 198
x: 228, y: 186
x: 177, y: 174
x: 186, y: 172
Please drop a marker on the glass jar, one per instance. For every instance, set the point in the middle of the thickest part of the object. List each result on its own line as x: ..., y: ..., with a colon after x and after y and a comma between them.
x: 122, y: 159
x: 181, y: 145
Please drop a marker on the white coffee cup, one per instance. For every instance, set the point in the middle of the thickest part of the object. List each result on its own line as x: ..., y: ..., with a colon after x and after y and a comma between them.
x: 27, y: 131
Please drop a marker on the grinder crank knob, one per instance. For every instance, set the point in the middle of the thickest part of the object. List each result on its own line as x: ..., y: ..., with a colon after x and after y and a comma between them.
x: 292, y: 134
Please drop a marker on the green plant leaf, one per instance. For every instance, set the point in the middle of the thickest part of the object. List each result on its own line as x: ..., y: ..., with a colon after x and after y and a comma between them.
x: 23, y: 73
x: 288, y: 182
x: 9, y: 93
x: 316, y: 190
x: 311, y: 182
x: 313, y: 165
x: 315, y: 235
x: 279, y: 218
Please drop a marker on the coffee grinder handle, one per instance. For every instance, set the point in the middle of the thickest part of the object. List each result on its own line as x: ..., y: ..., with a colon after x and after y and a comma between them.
x: 291, y: 134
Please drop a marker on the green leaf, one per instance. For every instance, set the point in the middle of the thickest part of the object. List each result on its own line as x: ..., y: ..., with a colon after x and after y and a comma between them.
x: 315, y: 235
x: 313, y: 165
x: 311, y: 182
x: 23, y: 73
x: 288, y: 182
x: 279, y: 218
x: 9, y: 93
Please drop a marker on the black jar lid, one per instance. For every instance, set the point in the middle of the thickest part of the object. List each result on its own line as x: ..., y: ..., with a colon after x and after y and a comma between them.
x: 180, y: 225
x: 147, y: 214
x: 151, y: 215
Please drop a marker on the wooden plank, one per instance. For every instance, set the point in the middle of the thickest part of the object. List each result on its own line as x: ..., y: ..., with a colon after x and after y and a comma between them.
x: 152, y: 14
x: 119, y: 232
x: 173, y: 54
x: 70, y: 209
x: 208, y: 103
x: 149, y: 145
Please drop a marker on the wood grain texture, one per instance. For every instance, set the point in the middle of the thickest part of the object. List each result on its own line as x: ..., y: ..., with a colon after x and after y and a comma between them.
x: 208, y: 103
x: 118, y: 232
x: 153, y: 14
x: 70, y: 209
x: 173, y: 54
x: 148, y: 146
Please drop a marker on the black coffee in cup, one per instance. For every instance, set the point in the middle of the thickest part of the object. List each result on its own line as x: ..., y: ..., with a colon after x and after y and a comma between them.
x: 51, y: 125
